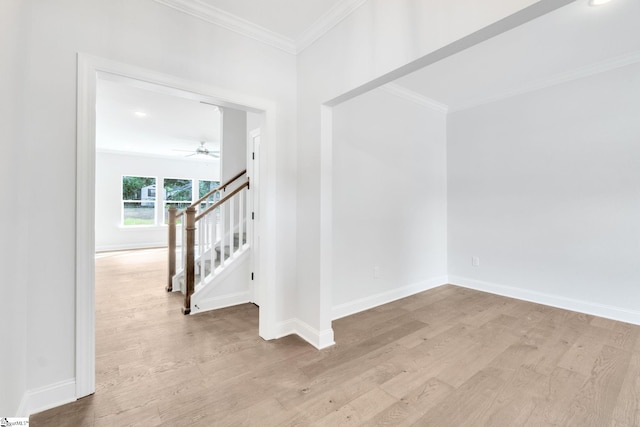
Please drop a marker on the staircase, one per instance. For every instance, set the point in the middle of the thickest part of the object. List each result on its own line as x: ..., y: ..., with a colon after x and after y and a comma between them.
x: 215, y: 244
x: 178, y: 280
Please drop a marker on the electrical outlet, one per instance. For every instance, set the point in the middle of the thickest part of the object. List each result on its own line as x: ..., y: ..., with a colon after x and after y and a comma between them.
x: 376, y: 271
x: 475, y: 261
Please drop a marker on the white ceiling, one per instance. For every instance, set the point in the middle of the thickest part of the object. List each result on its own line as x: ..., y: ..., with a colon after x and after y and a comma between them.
x: 573, y: 41
x: 568, y: 43
x: 289, y: 18
x: 171, y: 123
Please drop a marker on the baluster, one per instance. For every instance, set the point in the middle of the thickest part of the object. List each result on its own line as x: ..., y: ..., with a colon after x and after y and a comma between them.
x: 222, y: 233
x: 232, y: 214
x: 205, y: 246
x: 198, y: 250
x: 240, y: 217
x: 212, y: 253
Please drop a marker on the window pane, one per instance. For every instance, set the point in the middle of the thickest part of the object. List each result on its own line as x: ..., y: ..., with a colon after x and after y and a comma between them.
x: 138, y: 200
x: 138, y: 188
x: 206, y: 186
x: 139, y: 213
x: 177, y: 189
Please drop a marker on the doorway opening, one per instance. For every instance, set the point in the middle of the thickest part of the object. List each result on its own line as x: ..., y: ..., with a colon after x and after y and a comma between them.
x: 92, y: 71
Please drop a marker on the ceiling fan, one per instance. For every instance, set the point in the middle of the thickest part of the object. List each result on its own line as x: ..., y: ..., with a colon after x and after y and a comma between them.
x: 202, y: 151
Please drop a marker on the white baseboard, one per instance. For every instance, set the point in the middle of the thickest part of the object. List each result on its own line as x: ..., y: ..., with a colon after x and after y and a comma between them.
x: 221, y: 302
x: 376, y: 300
x: 47, y: 397
x: 22, y: 409
x: 581, y: 306
x: 287, y: 327
x: 323, y: 339
x: 318, y: 339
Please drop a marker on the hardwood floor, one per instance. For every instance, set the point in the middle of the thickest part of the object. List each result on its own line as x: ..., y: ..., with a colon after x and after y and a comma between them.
x: 446, y: 357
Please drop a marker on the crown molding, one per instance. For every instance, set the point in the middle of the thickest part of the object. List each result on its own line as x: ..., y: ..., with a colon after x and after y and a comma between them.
x: 326, y: 22
x: 232, y: 22
x: 409, y: 95
x: 575, y: 74
x: 217, y: 16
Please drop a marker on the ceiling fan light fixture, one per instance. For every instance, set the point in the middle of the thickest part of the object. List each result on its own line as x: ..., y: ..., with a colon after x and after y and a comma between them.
x: 598, y: 2
x: 202, y: 152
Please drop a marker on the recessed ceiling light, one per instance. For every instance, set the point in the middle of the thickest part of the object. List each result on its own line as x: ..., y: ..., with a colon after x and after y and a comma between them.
x: 598, y: 2
x: 140, y: 114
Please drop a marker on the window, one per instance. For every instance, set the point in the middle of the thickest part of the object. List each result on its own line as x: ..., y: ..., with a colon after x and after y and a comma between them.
x: 177, y: 193
x: 204, y: 188
x: 138, y: 200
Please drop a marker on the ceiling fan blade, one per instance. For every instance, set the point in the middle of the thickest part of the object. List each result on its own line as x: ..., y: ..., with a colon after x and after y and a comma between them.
x: 201, y: 150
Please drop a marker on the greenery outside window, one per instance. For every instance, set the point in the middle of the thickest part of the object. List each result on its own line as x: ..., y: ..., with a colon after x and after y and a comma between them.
x: 204, y: 188
x: 177, y: 193
x: 138, y: 200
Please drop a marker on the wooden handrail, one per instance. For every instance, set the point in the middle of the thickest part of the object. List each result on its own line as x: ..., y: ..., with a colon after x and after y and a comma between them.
x: 215, y: 190
x: 221, y: 201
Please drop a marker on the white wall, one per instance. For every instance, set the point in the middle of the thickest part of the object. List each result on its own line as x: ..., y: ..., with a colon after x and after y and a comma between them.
x: 389, y: 200
x: 378, y: 38
x: 253, y: 122
x: 231, y: 287
x: 234, y: 142
x: 145, y: 34
x: 543, y: 188
x: 381, y: 36
x: 110, y: 168
x: 13, y: 302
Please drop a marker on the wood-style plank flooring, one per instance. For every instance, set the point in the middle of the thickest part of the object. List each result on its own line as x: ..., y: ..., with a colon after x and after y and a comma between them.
x: 446, y: 357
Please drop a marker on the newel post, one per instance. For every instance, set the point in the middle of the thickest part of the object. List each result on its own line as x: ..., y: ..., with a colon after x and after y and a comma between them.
x: 172, y: 248
x: 189, y: 271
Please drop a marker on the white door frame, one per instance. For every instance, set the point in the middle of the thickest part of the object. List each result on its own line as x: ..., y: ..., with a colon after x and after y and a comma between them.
x: 90, y: 68
x: 253, y: 171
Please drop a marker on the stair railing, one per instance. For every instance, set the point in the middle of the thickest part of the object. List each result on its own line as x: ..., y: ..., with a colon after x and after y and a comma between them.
x: 214, y: 246
x: 174, y: 215
x: 204, y: 249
